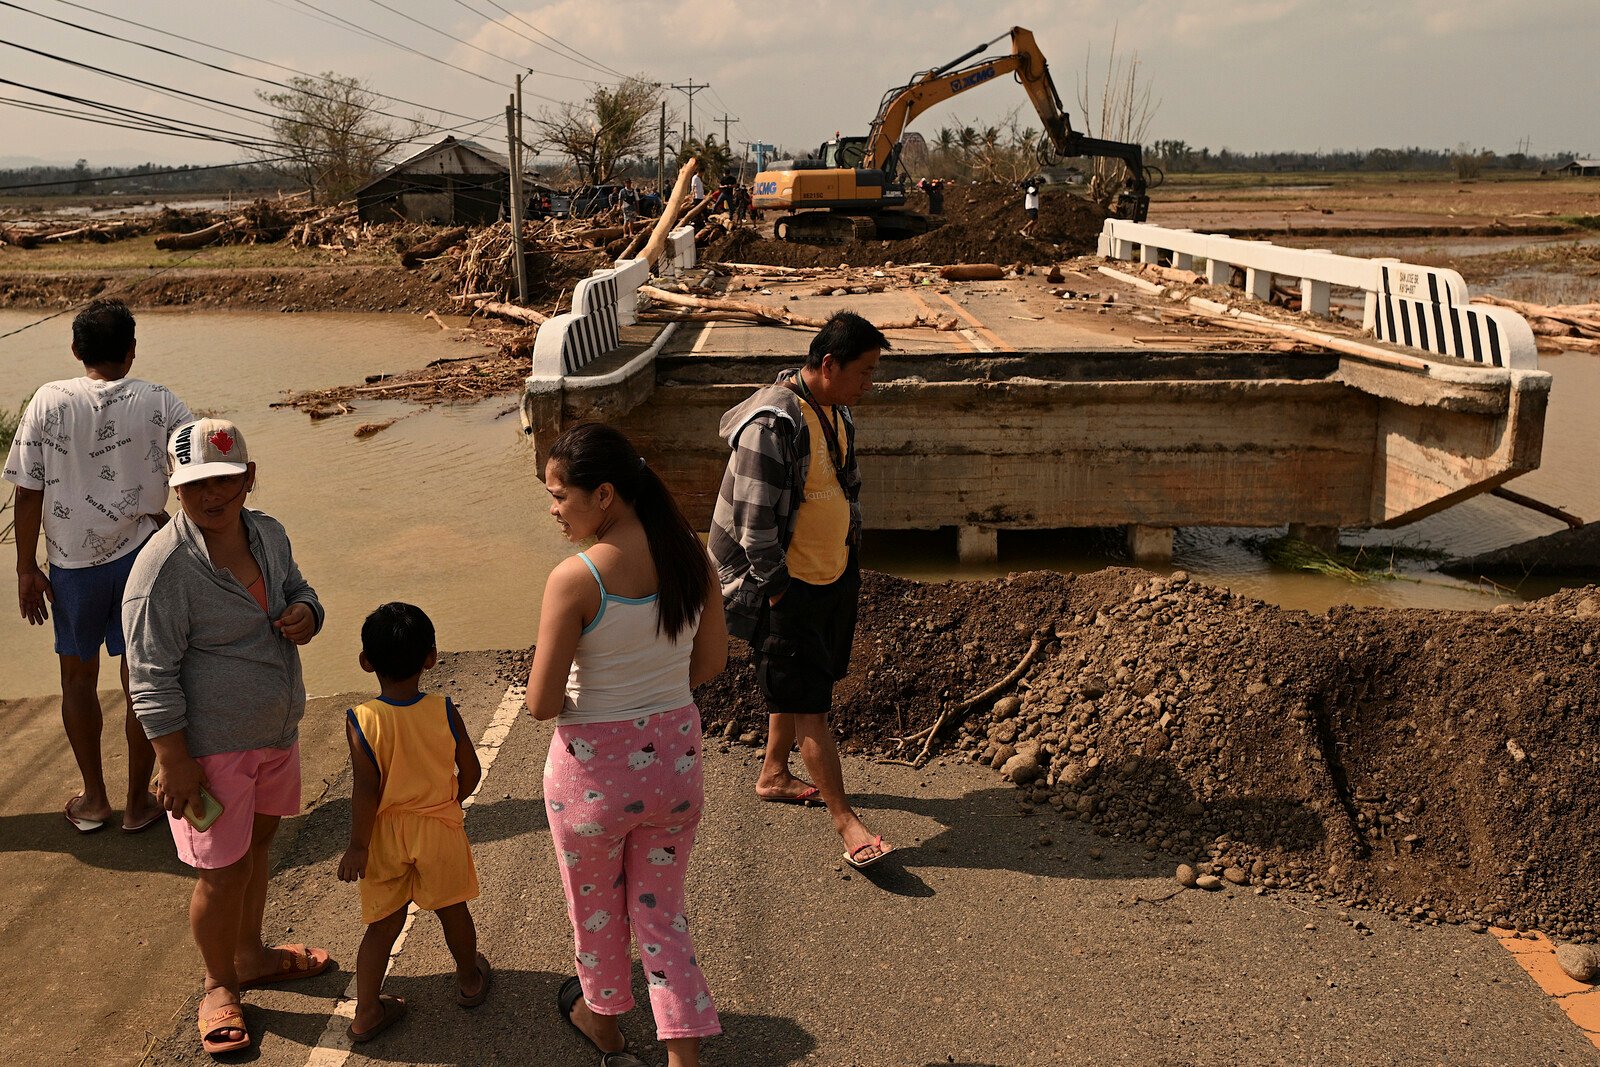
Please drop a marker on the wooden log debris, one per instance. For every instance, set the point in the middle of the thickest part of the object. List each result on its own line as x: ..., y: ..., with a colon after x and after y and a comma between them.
x: 413, y: 256
x: 199, y: 238
x: 510, y: 311
x: 972, y: 272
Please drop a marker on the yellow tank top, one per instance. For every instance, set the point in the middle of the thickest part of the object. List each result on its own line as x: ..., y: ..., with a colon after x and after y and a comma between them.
x: 414, y: 747
x: 818, y: 552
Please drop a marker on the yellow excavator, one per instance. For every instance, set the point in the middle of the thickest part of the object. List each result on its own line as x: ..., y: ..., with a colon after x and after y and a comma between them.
x: 854, y: 187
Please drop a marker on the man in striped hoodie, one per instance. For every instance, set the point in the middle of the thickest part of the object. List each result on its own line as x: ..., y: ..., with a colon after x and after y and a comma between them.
x: 784, y: 535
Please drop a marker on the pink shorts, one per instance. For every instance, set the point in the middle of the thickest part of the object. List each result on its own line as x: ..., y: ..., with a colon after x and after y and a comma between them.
x: 261, y: 781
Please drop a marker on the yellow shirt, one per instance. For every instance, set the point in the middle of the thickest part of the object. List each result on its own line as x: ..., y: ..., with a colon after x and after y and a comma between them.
x: 415, y: 750
x: 818, y: 552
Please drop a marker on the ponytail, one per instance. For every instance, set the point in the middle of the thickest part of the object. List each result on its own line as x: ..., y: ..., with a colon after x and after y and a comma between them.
x: 591, y: 454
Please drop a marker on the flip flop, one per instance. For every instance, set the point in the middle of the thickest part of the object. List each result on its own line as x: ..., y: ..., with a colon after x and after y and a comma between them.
x: 148, y: 822
x: 567, y: 997
x: 229, y: 1018
x: 83, y: 826
x: 809, y: 797
x: 483, y: 990
x: 861, y: 865
x: 394, y: 1009
x: 297, y: 962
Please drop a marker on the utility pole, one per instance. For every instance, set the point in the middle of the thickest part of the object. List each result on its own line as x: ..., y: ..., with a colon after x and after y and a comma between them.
x: 689, y: 91
x: 661, y: 155
x: 725, y: 119
x: 516, y: 196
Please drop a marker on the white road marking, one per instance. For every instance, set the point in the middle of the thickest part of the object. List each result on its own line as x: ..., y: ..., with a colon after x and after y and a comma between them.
x: 976, y: 340
x: 705, y: 335
x: 333, y: 1047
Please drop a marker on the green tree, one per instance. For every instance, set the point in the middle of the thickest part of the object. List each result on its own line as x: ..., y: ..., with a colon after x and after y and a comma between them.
x: 714, y: 157
x: 334, y: 135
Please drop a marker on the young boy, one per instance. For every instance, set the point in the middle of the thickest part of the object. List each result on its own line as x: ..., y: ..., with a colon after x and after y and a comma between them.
x: 413, y: 767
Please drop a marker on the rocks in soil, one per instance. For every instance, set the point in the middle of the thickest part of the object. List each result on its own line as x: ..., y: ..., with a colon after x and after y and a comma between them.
x: 1186, y: 876
x: 1358, y: 756
x: 1208, y: 882
x: 1581, y: 962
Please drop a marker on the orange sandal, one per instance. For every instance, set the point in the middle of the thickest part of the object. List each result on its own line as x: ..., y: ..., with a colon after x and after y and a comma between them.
x: 219, y: 1022
x: 295, y: 963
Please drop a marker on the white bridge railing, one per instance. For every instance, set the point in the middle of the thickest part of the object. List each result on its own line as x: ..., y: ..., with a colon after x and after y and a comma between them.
x: 601, y: 304
x: 1424, y: 308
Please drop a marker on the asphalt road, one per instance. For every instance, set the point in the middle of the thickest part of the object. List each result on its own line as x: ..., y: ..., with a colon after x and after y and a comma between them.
x: 994, y: 939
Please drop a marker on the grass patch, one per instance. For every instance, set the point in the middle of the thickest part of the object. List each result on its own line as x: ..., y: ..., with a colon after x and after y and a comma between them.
x: 1586, y: 222
x: 1350, y: 563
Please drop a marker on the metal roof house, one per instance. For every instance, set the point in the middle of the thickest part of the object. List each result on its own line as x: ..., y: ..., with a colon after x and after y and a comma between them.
x: 452, y: 182
x: 1581, y: 168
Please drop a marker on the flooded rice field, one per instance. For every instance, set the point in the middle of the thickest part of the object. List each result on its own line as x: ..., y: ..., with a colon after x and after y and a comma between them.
x: 443, y: 509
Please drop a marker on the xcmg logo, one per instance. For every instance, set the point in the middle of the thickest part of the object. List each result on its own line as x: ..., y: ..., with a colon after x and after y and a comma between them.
x: 766, y: 188
x: 975, y: 78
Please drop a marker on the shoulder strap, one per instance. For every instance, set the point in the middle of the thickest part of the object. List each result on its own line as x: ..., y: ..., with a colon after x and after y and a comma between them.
x: 587, y: 562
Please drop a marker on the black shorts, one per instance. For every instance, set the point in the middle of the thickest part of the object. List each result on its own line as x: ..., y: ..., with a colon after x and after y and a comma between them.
x: 1033, y: 213
x: 803, y: 643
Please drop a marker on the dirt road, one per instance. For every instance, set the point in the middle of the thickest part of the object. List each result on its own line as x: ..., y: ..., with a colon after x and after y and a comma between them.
x: 995, y: 939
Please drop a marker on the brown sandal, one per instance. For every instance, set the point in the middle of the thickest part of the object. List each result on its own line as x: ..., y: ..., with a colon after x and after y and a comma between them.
x: 296, y: 962
x: 219, y: 1022
x: 394, y: 1009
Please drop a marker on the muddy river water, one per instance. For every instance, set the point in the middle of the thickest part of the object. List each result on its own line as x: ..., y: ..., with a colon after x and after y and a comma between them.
x: 443, y: 508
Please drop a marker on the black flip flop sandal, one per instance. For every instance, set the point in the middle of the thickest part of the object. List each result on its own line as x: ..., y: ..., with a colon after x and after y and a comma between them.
x: 567, y: 997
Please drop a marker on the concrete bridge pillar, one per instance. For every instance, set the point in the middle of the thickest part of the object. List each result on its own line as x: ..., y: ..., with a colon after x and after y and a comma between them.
x: 1151, y: 544
x: 977, y: 544
x: 1321, y: 538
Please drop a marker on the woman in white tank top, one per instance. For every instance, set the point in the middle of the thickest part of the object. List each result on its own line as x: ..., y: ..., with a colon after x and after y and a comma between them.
x: 626, y: 630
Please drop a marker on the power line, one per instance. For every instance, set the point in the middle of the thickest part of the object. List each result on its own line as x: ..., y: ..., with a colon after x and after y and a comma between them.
x: 140, y: 174
x: 242, y: 55
x: 191, y: 59
x: 548, y: 37
x: 469, y: 44
x: 539, y: 44
x: 354, y: 27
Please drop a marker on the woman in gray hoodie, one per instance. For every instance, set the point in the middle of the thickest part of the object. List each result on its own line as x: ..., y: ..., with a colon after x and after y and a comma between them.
x: 214, y: 611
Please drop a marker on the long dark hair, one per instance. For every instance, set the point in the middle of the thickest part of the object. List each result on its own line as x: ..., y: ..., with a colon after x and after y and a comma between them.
x: 590, y: 454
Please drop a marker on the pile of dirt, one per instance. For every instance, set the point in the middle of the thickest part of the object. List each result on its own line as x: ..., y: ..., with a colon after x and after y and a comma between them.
x: 1436, y: 765
x: 980, y: 224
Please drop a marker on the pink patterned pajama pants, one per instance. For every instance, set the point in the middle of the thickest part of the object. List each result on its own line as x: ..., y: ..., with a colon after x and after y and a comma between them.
x: 624, y: 800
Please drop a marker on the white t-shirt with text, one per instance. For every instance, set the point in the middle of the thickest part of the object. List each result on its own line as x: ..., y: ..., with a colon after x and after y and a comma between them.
x: 98, y: 450
x: 1031, y: 200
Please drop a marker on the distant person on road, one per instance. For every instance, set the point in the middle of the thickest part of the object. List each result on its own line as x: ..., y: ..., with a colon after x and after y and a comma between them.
x: 413, y: 766
x: 1030, y: 205
x: 741, y: 204
x: 215, y: 612
x: 626, y: 630
x: 936, y: 197
x: 697, y: 188
x: 628, y: 198
x: 784, y: 533
x: 89, y: 463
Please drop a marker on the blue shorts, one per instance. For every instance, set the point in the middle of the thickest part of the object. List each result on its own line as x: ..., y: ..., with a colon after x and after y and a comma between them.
x: 88, y: 607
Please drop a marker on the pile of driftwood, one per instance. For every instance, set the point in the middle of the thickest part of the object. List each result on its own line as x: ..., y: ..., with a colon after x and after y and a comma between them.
x: 34, y: 236
x: 1557, y: 327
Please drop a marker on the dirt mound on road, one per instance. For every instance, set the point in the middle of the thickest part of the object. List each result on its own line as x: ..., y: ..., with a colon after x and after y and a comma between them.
x: 1437, y: 765
x: 980, y: 224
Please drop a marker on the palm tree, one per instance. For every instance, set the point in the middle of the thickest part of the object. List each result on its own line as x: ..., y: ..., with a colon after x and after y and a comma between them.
x: 714, y: 157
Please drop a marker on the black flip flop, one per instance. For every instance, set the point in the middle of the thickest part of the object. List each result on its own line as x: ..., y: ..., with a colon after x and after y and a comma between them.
x: 394, y: 1009
x: 567, y: 997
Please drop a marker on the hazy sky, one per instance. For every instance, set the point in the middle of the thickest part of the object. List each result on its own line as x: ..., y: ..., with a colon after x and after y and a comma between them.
x: 1243, y: 74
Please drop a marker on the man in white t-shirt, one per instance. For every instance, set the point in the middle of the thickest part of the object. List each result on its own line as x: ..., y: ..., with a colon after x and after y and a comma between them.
x: 1030, y: 205
x: 697, y: 188
x: 89, y: 463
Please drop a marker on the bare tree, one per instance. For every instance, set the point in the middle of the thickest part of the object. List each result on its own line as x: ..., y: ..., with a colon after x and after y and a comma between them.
x: 335, y: 136
x: 1120, y: 111
x: 597, y: 134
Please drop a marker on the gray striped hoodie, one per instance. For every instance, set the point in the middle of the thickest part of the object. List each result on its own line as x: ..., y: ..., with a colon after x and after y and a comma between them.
x: 202, y: 658
x: 754, y: 514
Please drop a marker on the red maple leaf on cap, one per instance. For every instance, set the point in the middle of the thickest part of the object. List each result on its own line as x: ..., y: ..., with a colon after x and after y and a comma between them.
x: 222, y: 440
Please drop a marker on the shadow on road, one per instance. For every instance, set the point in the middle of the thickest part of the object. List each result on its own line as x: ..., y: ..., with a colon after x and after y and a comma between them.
x: 322, y: 834
x: 110, y: 849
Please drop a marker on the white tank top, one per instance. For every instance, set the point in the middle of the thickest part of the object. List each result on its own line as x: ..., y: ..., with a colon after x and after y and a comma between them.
x: 623, y: 668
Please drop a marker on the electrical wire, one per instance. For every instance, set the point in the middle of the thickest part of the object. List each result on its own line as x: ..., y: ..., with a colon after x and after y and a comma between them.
x: 192, y: 59
x: 476, y: 48
x: 241, y: 55
x: 142, y: 174
x: 540, y: 44
x: 548, y: 37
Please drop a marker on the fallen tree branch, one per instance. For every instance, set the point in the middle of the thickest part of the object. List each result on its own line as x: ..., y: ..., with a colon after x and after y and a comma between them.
x: 511, y: 311
x: 960, y: 710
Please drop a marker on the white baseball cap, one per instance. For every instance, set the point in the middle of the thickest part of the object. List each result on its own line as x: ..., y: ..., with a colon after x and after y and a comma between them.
x: 205, y: 448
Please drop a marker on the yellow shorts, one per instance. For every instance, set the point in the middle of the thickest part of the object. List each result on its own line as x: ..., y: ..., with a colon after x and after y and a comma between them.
x: 412, y: 857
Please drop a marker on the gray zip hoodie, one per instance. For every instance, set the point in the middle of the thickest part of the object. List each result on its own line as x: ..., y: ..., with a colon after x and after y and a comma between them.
x: 202, y: 658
